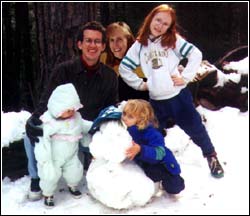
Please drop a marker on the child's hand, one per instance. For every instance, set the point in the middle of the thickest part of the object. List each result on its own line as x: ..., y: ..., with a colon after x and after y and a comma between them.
x: 143, y: 86
x: 133, y: 151
x: 178, y: 80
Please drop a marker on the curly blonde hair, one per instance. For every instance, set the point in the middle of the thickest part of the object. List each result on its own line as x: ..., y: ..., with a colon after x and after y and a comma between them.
x: 143, y: 111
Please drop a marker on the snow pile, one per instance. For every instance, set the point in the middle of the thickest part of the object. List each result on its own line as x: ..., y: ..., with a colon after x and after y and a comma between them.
x: 111, y: 179
x: 242, y: 66
x: 14, y: 126
x: 225, y: 78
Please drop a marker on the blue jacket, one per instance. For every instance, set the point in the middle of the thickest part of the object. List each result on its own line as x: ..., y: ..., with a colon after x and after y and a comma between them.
x: 153, y: 149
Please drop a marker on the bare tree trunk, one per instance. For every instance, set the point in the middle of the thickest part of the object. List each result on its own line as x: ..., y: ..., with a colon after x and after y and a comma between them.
x: 24, y: 64
x: 17, y: 60
x: 9, y: 79
x: 57, y: 27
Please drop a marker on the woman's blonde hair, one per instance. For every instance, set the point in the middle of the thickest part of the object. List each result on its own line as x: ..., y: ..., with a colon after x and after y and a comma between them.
x: 169, y: 37
x: 143, y: 111
x: 111, y: 28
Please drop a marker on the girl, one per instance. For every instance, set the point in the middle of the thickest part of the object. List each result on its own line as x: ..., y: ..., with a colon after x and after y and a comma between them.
x: 57, y: 151
x: 158, y: 50
x: 149, y: 150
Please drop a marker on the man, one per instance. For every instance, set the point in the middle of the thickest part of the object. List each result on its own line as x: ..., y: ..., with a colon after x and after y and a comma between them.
x: 96, y: 85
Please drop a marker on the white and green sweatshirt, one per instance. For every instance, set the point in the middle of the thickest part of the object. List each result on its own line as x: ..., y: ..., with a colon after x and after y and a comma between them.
x: 158, y: 64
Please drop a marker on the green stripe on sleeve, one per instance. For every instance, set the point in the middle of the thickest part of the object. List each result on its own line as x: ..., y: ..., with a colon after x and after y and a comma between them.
x: 160, y: 152
x: 131, y: 61
x: 182, y: 48
x: 128, y: 65
x: 188, y: 50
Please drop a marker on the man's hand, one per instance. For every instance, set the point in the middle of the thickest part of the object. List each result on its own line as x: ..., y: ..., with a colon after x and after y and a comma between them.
x: 33, y: 130
x: 133, y: 151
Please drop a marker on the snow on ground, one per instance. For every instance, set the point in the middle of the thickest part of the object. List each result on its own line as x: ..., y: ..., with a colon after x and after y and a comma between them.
x: 228, y: 129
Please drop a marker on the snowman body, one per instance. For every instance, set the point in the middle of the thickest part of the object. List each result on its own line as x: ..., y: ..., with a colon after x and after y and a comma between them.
x: 111, y: 178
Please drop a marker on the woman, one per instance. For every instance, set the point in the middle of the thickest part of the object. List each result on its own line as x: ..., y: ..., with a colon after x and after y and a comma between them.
x: 119, y: 39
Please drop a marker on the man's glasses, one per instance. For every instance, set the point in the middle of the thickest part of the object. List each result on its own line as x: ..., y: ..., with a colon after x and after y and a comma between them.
x: 89, y: 41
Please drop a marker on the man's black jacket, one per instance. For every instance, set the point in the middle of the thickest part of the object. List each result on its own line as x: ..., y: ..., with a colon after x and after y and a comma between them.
x: 95, y: 92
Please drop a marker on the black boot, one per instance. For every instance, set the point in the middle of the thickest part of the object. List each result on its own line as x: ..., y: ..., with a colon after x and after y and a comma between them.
x: 215, y: 167
x: 49, y: 201
x: 35, y: 192
x: 75, y: 193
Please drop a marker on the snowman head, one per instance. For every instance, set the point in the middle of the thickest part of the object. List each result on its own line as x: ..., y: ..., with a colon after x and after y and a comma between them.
x: 111, y: 142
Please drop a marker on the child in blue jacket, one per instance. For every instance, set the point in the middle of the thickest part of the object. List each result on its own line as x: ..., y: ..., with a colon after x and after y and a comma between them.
x: 149, y: 150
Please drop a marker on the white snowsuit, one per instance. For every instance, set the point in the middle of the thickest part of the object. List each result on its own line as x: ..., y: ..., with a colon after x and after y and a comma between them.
x: 57, y: 151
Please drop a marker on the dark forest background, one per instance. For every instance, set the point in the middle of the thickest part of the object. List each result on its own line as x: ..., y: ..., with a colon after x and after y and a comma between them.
x: 38, y: 35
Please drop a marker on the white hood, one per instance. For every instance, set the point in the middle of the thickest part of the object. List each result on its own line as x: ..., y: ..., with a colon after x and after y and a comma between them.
x: 64, y: 97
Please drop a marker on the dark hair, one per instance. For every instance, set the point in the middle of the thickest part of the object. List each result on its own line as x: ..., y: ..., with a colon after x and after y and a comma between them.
x: 92, y: 25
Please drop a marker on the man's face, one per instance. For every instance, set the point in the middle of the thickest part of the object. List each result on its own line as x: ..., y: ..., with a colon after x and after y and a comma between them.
x: 91, y: 46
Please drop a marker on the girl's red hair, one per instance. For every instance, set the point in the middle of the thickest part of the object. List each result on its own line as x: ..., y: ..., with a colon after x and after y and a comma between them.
x: 169, y: 37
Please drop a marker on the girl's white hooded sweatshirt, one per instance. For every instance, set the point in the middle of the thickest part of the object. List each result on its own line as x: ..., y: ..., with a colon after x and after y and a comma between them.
x: 159, y: 63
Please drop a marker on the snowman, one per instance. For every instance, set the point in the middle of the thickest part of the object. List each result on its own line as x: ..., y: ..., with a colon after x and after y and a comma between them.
x: 111, y: 178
